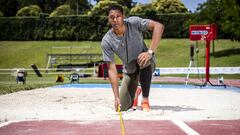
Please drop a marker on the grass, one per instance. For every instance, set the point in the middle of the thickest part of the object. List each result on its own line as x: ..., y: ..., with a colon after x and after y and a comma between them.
x: 9, y: 85
x: 24, y: 53
x: 170, y: 53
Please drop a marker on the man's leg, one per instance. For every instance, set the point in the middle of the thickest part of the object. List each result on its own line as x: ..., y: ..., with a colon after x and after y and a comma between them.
x: 128, y: 89
x: 145, y: 80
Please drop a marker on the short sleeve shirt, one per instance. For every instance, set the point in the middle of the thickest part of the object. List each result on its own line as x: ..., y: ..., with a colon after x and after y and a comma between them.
x: 128, y: 46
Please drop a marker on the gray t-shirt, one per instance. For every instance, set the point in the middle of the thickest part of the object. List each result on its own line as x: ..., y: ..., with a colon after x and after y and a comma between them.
x: 128, y: 46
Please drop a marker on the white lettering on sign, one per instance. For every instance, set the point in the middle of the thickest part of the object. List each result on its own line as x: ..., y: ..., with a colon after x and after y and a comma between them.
x: 199, y: 32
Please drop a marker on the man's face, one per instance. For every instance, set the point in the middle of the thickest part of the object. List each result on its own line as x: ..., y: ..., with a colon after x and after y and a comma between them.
x: 115, y: 18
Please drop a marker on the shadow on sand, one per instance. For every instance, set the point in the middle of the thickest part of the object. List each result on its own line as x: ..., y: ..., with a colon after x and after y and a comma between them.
x: 175, y: 108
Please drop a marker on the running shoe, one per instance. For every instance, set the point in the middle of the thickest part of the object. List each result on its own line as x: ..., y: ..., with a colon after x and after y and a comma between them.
x: 135, y: 101
x: 145, y: 106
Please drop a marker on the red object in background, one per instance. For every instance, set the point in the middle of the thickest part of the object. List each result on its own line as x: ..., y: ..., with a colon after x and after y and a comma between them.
x: 207, y: 33
x: 203, y: 32
x: 103, y: 71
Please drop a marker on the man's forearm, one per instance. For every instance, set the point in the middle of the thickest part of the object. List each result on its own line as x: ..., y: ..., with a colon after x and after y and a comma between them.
x: 113, y: 77
x: 158, y: 29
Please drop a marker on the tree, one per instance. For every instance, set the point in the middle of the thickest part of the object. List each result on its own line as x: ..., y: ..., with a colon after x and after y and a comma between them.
x: 224, y: 13
x: 51, y: 5
x: 101, y: 8
x: 62, y: 10
x: 231, y: 21
x: 127, y: 3
x: 25, y: 3
x: 47, y: 6
x: 144, y: 9
x: 138, y: 9
x: 169, y: 6
x: 32, y: 10
x: 1, y: 14
x: 79, y: 6
x: 9, y: 7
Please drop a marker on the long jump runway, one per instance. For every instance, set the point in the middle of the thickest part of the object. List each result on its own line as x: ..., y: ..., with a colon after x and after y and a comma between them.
x: 88, y: 110
x: 132, y: 127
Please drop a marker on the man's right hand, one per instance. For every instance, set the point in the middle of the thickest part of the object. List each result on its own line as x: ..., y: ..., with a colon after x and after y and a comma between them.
x: 117, y: 103
x: 112, y: 73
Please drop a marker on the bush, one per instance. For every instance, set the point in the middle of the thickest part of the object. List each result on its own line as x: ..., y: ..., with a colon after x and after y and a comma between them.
x: 61, y: 11
x: 101, y: 8
x: 90, y: 28
x: 79, y: 27
x: 32, y: 10
x: 1, y: 14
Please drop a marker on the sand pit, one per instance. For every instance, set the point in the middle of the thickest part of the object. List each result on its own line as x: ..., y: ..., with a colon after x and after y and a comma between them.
x: 96, y: 104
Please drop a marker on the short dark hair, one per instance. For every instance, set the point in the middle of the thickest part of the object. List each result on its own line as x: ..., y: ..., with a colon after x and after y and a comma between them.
x: 115, y: 7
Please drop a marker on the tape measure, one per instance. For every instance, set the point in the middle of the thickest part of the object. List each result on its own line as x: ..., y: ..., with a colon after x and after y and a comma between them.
x: 121, y: 120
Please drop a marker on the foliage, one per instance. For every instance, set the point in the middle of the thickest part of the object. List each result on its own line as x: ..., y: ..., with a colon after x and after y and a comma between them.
x: 79, y: 6
x: 141, y: 9
x: 32, y: 10
x: 83, y: 6
x: 47, y: 6
x: 231, y: 19
x: 100, y: 9
x: 25, y: 3
x: 9, y: 7
x: 137, y: 9
x: 127, y: 3
x: 169, y: 6
x: 80, y: 27
x: 62, y: 10
x: 159, y: 7
x: 224, y: 13
x: 1, y: 14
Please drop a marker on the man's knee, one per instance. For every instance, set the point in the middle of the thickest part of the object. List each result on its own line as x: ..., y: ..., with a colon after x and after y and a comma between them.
x: 126, y: 106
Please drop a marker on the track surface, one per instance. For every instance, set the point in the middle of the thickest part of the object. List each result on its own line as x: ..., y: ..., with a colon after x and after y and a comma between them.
x: 132, y: 127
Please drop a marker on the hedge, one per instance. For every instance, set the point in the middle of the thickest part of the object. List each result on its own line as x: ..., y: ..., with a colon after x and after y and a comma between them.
x: 90, y: 28
x: 54, y: 28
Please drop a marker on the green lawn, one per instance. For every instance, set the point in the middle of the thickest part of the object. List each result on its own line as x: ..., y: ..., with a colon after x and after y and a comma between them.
x: 170, y: 53
x: 24, y: 53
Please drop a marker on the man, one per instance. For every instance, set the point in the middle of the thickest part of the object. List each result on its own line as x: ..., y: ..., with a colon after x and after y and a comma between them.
x: 125, y: 39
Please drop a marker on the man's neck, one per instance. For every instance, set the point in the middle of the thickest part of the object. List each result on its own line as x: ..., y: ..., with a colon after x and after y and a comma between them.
x: 120, y: 31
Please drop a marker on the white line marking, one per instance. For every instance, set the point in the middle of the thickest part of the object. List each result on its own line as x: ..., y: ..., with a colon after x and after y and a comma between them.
x: 17, y: 121
x: 185, y: 127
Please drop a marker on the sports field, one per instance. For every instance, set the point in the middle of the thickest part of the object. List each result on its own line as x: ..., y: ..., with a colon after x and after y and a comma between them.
x: 88, y: 109
x: 171, y: 53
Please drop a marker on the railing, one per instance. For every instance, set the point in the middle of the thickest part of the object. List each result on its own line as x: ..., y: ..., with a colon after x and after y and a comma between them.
x: 162, y: 71
x: 199, y: 70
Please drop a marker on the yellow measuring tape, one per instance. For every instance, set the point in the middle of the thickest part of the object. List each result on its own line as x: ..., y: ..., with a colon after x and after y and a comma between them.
x: 121, y: 120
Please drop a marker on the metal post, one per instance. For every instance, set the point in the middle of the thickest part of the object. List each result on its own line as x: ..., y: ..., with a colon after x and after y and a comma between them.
x: 207, y: 59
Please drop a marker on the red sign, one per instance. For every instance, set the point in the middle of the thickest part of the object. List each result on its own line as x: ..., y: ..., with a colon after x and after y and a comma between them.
x: 203, y: 32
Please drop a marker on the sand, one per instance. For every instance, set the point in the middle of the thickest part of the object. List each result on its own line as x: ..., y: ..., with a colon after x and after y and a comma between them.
x: 96, y: 104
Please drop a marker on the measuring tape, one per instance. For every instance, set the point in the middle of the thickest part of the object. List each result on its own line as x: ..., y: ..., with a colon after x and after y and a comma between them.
x: 121, y: 120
